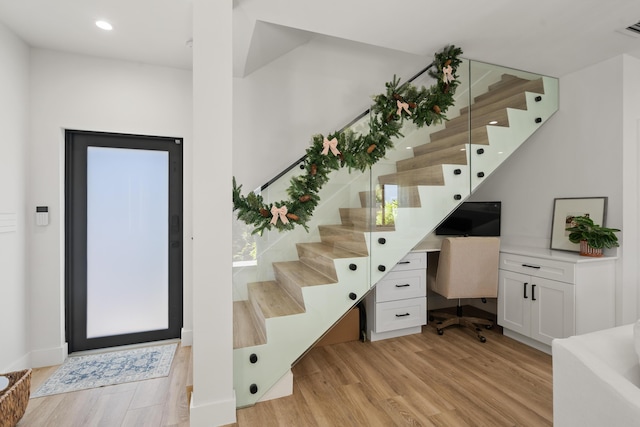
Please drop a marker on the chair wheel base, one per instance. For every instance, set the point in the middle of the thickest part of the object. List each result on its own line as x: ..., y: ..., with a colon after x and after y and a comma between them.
x: 440, y: 331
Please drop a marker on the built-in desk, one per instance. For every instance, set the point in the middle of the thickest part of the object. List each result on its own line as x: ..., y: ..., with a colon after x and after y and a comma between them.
x: 397, y: 306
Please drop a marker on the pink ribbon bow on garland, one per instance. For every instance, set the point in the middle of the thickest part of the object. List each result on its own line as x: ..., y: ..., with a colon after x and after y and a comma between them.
x: 402, y: 106
x: 281, y: 212
x: 333, y: 145
x: 447, y: 74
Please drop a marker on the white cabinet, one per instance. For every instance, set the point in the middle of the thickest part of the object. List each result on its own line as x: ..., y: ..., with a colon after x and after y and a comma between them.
x: 546, y: 294
x: 398, y: 304
x: 535, y: 307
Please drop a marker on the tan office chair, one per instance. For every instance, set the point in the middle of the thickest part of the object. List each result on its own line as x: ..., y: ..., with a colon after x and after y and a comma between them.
x: 467, y: 268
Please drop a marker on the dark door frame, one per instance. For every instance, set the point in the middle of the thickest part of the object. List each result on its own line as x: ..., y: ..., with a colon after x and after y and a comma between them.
x: 76, y: 143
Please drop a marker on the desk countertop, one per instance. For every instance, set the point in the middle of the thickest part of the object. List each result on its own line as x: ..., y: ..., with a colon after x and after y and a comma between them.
x: 433, y: 243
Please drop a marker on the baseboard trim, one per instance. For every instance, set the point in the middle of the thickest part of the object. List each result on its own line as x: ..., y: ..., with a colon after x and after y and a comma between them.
x: 377, y: 336
x: 218, y: 413
x: 526, y: 340
x: 186, y: 337
x: 49, y: 356
x: 18, y: 365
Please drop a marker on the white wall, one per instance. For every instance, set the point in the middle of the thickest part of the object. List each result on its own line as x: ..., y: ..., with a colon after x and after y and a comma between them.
x: 80, y: 92
x: 213, y: 401
x: 630, y: 270
x: 579, y: 153
x: 314, y: 89
x: 14, y: 90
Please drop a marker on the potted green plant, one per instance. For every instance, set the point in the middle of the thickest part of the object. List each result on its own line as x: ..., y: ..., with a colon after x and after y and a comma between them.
x: 592, y: 238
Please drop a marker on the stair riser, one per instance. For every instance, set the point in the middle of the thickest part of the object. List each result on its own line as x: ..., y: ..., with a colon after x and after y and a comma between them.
x: 358, y: 217
x: 318, y: 262
x: 425, y: 176
x: 478, y: 136
x: 461, y: 124
x: 289, y: 284
x: 451, y: 156
x: 351, y: 241
x: 536, y: 86
x: 517, y: 100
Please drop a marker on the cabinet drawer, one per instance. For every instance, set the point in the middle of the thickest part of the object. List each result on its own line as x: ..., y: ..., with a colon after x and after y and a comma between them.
x: 401, y: 314
x: 401, y: 285
x: 412, y: 261
x: 538, y: 267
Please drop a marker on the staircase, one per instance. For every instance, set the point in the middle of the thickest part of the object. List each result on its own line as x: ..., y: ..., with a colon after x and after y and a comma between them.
x: 300, y: 299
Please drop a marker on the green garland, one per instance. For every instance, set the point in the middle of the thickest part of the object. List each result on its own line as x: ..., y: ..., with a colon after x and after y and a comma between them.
x: 423, y: 106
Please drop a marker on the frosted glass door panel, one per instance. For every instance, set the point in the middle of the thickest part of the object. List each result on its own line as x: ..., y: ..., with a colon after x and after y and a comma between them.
x: 127, y: 241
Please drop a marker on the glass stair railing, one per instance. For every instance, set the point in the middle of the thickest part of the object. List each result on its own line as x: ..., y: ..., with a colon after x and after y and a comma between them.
x: 291, y: 287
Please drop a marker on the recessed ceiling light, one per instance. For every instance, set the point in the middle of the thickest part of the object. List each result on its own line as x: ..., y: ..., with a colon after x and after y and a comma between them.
x: 493, y: 122
x: 104, y: 25
x: 408, y: 148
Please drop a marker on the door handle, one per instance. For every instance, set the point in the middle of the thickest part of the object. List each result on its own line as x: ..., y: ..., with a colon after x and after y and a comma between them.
x: 525, y: 289
x: 533, y: 292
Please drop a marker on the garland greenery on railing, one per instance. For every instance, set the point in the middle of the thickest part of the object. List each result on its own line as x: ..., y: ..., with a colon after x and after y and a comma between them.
x: 344, y: 148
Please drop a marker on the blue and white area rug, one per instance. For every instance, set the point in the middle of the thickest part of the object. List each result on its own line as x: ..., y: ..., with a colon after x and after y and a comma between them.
x: 116, y: 367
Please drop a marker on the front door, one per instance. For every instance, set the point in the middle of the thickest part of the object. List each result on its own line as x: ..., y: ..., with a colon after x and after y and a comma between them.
x: 123, y: 239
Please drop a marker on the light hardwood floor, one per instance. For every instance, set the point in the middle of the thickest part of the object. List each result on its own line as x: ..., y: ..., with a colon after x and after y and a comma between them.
x: 156, y: 402
x: 417, y: 380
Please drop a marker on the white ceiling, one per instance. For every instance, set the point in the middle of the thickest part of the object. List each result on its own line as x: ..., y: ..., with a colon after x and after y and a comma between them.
x: 553, y: 37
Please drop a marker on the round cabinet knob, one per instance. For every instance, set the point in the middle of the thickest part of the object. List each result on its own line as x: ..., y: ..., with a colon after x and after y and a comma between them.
x: 382, y: 268
x: 253, y: 389
x: 253, y: 358
x: 353, y: 296
x: 353, y: 267
x: 382, y: 240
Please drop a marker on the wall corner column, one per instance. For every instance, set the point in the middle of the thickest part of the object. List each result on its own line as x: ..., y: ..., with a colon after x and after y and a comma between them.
x: 213, y: 401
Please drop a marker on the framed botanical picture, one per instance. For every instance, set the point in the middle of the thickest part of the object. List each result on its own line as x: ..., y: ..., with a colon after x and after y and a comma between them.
x: 564, y: 210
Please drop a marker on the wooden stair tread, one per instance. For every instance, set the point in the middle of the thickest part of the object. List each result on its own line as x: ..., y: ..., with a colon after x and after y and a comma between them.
x: 430, y: 175
x: 512, y: 93
x: 478, y: 136
x: 517, y: 100
x: 456, y: 155
x: 327, y: 251
x: 508, y: 84
x: 462, y: 123
x: 358, y: 228
x: 246, y: 332
x: 302, y: 274
x: 272, y: 299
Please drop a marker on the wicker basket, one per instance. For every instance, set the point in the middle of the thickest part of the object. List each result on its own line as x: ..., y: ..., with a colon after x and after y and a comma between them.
x: 14, y: 398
